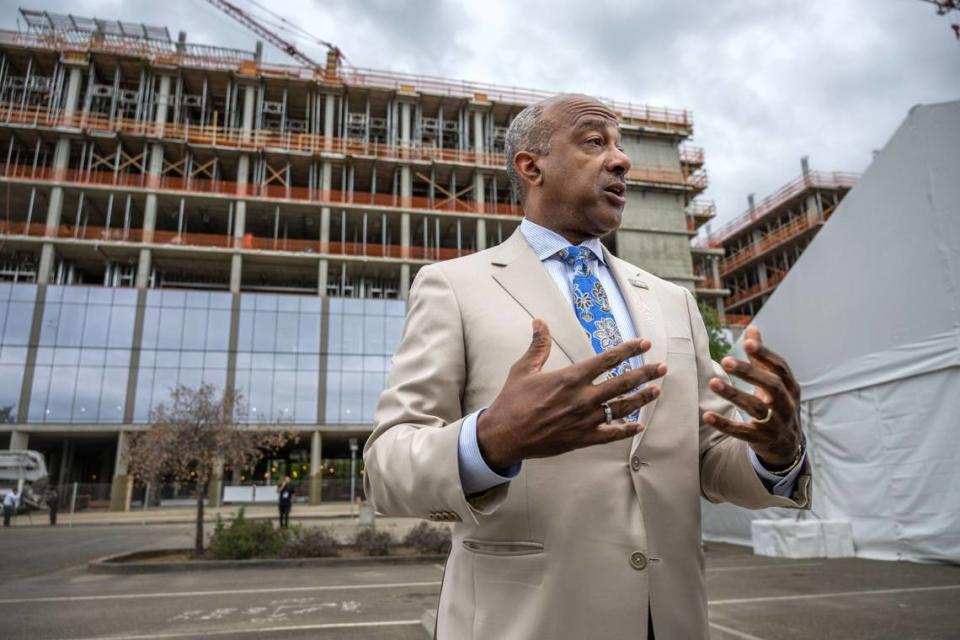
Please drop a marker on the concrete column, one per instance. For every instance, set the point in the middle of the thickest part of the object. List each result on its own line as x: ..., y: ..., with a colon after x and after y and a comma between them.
x: 73, y: 90
x: 215, y: 487
x: 478, y: 145
x: 405, y: 249
x: 323, y: 272
x: 240, y: 206
x: 406, y: 192
x: 814, y: 214
x: 328, y: 112
x: 239, y: 224
x: 19, y: 440
x: 119, y: 491
x: 316, y: 467
x: 61, y: 157
x: 154, y: 170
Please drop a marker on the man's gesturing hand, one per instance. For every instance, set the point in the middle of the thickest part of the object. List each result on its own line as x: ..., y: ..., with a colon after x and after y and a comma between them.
x: 776, y: 392
x: 541, y: 414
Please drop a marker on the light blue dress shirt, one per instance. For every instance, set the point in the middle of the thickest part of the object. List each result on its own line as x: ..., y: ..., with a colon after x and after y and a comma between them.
x: 475, y: 474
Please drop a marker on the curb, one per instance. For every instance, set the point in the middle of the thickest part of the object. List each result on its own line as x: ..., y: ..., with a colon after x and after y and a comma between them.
x: 106, y: 522
x: 120, y: 563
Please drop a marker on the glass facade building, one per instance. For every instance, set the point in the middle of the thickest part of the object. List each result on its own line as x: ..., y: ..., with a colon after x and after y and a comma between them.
x: 98, y: 359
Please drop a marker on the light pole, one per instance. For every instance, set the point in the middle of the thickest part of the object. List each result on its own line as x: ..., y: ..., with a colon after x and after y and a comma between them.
x: 354, y: 446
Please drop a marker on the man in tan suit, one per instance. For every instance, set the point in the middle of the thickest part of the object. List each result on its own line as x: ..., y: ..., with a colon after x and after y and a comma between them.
x: 575, y: 516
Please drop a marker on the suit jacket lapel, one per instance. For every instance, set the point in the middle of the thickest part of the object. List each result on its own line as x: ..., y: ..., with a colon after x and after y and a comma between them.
x: 647, y: 318
x: 526, y: 280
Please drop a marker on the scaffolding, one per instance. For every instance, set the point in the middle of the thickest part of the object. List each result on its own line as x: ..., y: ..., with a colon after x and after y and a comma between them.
x: 761, y: 246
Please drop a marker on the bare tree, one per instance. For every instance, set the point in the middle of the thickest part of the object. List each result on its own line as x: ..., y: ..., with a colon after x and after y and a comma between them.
x: 199, y: 431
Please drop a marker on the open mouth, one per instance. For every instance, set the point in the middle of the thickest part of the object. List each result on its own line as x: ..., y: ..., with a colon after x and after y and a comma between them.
x: 616, y: 192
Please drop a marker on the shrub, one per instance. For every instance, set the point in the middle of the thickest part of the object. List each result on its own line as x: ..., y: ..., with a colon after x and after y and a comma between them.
x: 316, y: 542
x: 243, y: 539
x: 373, y: 542
x: 427, y: 539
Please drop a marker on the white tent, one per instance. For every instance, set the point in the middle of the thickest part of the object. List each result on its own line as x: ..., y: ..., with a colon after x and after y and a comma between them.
x: 869, y: 320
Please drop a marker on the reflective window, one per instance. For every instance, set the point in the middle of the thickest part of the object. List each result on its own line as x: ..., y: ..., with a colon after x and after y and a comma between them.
x: 186, y: 335
x: 278, y: 357
x: 83, y: 355
x: 16, y: 315
x: 362, y: 336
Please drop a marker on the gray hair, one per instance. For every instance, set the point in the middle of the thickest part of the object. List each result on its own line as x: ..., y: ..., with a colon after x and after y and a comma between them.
x: 529, y: 131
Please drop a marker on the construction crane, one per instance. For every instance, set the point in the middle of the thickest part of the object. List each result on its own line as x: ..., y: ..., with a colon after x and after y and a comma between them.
x: 261, y: 30
x: 944, y: 7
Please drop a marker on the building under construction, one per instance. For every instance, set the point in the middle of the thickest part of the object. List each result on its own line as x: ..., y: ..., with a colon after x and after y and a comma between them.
x: 740, y: 265
x: 177, y: 213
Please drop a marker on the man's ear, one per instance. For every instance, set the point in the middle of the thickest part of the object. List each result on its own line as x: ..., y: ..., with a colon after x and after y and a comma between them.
x: 526, y: 165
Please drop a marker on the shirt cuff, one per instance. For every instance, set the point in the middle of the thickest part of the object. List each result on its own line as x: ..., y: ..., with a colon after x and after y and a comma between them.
x: 779, y: 485
x: 476, y: 475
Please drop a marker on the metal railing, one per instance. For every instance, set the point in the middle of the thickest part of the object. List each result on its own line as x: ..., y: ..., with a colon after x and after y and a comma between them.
x: 216, y: 58
x: 811, y: 180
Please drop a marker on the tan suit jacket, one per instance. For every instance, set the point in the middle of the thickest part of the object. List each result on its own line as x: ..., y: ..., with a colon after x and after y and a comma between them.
x: 577, y: 545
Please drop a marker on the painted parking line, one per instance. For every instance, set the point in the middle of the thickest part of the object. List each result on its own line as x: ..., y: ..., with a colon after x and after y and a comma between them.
x: 733, y: 632
x: 835, y: 594
x: 228, y: 592
x: 261, y: 630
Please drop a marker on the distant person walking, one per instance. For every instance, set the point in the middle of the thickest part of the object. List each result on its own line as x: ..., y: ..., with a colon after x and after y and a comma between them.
x: 53, y: 503
x: 286, y: 492
x: 9, y: 506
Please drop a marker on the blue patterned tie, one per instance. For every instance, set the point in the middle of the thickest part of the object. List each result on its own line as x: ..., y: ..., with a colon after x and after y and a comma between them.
x: 592, y: 306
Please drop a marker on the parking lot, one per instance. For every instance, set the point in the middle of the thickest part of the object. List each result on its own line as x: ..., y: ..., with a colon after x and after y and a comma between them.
x: 46, y: 593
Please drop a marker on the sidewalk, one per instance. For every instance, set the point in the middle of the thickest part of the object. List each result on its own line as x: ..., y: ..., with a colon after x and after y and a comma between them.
x: 183, y: 515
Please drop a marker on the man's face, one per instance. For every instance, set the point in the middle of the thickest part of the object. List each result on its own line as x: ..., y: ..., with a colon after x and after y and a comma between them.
x: 583, y: 192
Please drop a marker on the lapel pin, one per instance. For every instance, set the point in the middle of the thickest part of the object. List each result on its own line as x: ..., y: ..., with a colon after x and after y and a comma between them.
x: 637, y: 282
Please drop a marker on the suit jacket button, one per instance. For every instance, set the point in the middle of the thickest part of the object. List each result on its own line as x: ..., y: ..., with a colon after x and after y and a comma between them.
x: 635, y: 463
x: 638, y: 561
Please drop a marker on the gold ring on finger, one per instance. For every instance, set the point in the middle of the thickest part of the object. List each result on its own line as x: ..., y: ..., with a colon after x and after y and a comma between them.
x: 607, y: 412
x: 766, y: 418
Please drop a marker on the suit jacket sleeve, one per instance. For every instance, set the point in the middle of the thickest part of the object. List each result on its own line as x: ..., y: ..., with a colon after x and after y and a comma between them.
x: 726, y: 474
x: 411, y: 458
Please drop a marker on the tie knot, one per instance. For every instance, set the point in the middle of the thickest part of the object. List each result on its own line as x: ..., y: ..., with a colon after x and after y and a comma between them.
x: 580, y: 258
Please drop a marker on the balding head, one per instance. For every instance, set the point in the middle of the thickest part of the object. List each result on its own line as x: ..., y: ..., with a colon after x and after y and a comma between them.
x: 533, y: 127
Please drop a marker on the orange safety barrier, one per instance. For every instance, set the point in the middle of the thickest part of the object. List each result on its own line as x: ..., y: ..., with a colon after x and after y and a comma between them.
x: 696, y: 180
x: 710, y: 283
x: 770, y: 241
x: 691, y: 155
x: 736, y: 320
x: 249, y: 241
x: 235, y: 138
x: 812, y: 180
x: 177, y: 184
x: 702, y: 209
x: 216, y: 58
x: 757, y: 289
x: 264, y: 140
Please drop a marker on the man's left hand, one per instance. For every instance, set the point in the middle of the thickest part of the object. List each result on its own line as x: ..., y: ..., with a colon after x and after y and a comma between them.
x: 776, y: 393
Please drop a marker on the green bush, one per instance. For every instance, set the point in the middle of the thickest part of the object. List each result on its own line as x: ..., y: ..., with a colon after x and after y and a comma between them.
x: 373, y: 542
x: 316, y: 542
x: 243, y: 539
x: 427, y: 539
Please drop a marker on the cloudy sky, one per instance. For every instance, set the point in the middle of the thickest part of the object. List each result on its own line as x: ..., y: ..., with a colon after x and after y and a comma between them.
x: 768, y: 81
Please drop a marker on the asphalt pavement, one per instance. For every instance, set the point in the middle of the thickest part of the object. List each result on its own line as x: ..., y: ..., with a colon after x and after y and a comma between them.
x: 47, y: 594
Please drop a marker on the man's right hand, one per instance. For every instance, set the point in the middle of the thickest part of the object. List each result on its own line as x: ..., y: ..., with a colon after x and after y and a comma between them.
x: 537, y: 414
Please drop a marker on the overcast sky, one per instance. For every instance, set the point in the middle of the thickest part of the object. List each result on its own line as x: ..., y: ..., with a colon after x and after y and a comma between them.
x: 767, y: 80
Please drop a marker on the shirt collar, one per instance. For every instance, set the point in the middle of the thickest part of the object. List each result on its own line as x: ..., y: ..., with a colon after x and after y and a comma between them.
x: 546, y: 242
